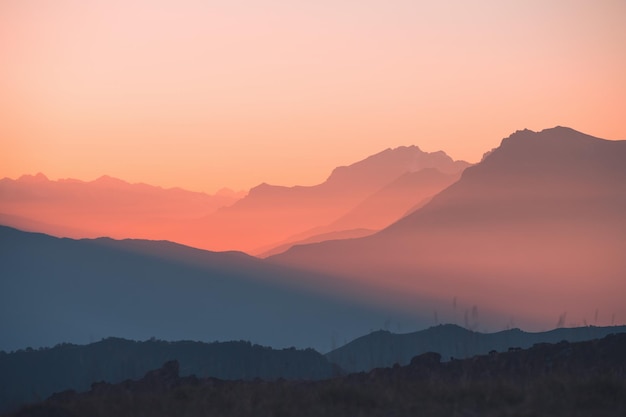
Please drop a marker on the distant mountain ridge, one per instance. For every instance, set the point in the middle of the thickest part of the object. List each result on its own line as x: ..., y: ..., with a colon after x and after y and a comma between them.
x: 270, y: 215
x: 406, y: 193
x: 380, y: 169
x: 267, y: 217
x: 106, y: 206
x: 382, y: 348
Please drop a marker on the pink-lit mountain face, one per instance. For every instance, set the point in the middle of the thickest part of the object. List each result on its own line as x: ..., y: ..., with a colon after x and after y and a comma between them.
x: 271, y: 215
x: 396, y: 199
x: 380, y: 189
x: 104, y: 207
x: 405, y: 194
x: 534, y: 234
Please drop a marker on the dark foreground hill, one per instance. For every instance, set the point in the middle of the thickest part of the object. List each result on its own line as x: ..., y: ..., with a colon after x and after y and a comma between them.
x: 382, y: 348
x: 564, y: 379
x: 63, y: 290
x: 30, y: 375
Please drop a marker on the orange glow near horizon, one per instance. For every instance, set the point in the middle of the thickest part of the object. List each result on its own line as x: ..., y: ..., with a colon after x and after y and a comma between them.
x: 204, y: 95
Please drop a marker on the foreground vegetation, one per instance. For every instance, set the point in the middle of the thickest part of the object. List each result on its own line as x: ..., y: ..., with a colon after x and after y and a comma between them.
x: 30, y: 375
x: 565, y: 379
x: 551, y: 396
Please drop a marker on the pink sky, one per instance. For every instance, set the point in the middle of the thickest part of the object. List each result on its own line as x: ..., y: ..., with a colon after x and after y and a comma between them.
x: 205, y: 94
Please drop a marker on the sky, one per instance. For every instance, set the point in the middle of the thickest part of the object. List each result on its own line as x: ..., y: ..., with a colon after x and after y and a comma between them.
x: 210, y: 94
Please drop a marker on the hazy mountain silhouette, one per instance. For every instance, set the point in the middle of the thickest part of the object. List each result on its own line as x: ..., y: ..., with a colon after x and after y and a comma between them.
x: 269, y: 214
x: 104, y: 207
x: 383, y: 349
x: 535, y: 233
x: 387, y: 205
x: 393, y: 201
x: 112, y: 360
x: 264, y: 219
x: 62, y: 290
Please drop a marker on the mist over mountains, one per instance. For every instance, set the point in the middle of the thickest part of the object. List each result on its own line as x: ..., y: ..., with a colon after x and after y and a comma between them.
x: 536, y: 230
x: 406, y: 193
x: 533, y: 237
x: 103, y: 207
x: 272, y: 215
x: 368, y: 194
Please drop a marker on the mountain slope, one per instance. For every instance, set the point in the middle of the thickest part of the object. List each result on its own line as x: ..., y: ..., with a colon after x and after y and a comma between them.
x: 534, y: 234
x: 393, y: 201
x: 383, y: 349
x: 316, y: 238
x: 62, y: 290
x: 407, y: 192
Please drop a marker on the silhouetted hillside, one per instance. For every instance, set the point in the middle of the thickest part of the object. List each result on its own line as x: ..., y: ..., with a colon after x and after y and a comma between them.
x: 30, y: 375
x: 382, y: 348
x: 62, y: 290
x: 564, y: 379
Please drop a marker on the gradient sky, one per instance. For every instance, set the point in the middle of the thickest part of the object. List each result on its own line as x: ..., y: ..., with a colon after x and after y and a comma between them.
x: 205, y: 94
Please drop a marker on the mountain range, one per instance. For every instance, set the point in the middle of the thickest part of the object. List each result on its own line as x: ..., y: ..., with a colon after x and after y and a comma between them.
x: 368, y: 194
x: 270, y: 215
x: 533, y: 236
x: 536, y: 231
x: 103, y: 207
